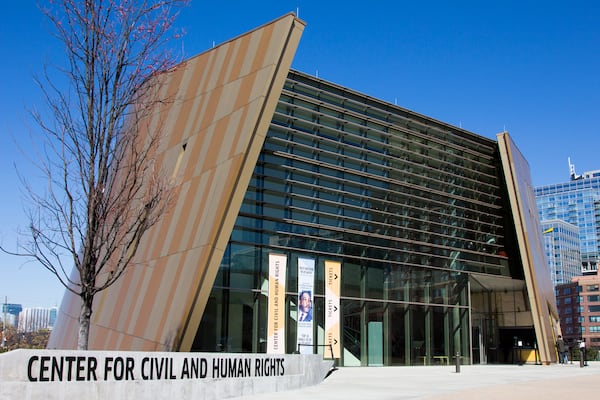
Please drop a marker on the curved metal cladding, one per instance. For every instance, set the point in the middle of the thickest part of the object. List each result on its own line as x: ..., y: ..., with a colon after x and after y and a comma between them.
x: 214, y: 127
x: 529, y: 237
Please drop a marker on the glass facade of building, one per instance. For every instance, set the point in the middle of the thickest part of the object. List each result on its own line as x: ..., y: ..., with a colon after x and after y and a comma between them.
x: 561, y: 243
x: 575, y: 202
x: 412, y: 208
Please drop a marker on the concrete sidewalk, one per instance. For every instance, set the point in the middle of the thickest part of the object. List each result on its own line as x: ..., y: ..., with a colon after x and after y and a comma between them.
x: 442, y: 382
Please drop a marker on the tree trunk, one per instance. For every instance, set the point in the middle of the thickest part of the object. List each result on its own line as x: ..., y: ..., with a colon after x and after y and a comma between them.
x: 84, y: 322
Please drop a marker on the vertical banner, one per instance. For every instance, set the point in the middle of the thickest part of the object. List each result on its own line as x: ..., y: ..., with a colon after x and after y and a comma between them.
x: 333, y: 271
x: 276, y: 319
x: 306, y: 281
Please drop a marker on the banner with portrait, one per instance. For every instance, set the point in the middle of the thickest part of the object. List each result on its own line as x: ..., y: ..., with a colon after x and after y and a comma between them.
x: 306, y: 282
x: 276, y: 308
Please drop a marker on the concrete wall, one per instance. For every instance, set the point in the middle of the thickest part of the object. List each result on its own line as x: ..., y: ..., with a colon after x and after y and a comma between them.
x: 54, y: 374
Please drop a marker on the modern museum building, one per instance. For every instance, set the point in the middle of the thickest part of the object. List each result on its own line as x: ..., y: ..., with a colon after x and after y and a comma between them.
x: 309, y: 217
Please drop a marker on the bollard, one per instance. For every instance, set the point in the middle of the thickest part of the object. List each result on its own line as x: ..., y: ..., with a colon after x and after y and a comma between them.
x: 457, y: 362
x: 581, y: 359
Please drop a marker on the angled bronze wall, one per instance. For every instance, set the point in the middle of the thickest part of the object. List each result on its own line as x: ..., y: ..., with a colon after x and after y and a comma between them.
x: 529, y: 237
x: 223, y: 102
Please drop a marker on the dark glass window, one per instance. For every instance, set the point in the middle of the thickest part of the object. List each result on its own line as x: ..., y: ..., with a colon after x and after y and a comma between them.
x: 408, y: 205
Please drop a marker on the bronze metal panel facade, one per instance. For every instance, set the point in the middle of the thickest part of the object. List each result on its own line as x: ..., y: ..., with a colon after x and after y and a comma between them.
x: 529, y: 237
x: 221, y: 105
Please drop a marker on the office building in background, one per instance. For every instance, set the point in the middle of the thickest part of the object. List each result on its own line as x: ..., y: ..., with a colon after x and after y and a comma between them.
x: 579, y: 309
x: 36, y: 318
x: 10, y: 313
x: 576, y: 202
x: 561, y: 244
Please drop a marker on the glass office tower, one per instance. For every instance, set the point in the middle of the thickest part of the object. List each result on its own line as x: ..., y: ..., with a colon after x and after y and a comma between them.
x: 406, y: 204
x: 578, y: 203
x: 561, y: 244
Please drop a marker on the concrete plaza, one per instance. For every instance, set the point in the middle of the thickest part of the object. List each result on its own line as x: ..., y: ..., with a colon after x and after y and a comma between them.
x: 507, y: 382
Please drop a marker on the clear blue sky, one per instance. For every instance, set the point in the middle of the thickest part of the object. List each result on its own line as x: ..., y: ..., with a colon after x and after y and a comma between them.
x: 530, y: 67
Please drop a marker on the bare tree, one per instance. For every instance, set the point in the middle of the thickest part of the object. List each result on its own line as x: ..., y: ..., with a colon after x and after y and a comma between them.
x: 103, y: 190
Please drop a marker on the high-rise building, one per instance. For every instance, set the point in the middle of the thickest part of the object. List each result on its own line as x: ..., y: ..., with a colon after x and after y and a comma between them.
x: 579, y: 309
x: 561, y: 243
x: 313, y: 218
x: 34, y: 319
x: 10, y: 313
x: 578, y: 203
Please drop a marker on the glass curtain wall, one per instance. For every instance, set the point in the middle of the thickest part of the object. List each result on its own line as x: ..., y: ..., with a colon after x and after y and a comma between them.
x: 409, y: 206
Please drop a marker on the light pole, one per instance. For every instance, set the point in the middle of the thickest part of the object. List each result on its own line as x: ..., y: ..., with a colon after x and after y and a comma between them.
x: 4, y: 322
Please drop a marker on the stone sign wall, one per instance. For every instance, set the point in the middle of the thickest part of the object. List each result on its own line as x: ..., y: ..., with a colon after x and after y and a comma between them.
x: 54, y: 374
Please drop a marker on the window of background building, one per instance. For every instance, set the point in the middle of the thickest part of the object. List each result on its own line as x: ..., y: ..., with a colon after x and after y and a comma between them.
x: 594, y: 298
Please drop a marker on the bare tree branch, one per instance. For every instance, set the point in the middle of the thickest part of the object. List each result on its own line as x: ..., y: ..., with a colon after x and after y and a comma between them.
x: 103, y: 191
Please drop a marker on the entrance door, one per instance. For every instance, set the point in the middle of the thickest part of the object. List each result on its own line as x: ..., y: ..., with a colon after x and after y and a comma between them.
x: 479, y: 351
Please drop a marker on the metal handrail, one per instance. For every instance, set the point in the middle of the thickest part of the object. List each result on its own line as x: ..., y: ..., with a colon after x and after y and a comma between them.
x: 318, y: 345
